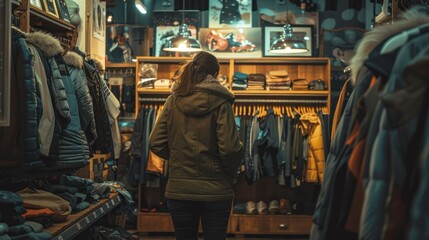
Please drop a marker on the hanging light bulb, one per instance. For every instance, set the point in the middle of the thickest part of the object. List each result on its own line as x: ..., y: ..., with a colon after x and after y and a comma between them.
x: 182, y: 42
x: 287, y: 43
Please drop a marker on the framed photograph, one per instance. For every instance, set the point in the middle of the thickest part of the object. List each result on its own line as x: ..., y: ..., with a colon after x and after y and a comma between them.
x: 99, y: 19
x: 51, y: 7
x: 230, y: 13
x: 63, y: 10
x: 231, y: 42
x: 37, y: 4
x: 302, y: 33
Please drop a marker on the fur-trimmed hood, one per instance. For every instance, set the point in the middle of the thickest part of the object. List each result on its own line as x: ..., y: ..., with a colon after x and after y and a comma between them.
x: 73, y: 59
x: 46, y: 42
x: 410, y: 19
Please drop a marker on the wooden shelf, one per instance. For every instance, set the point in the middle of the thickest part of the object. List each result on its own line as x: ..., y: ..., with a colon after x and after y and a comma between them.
x: 121, y: 65
x: 153, y: 91
x: 279, y: 93
x: 76, y: 223
x: 171, y: 60
x: 39, y: 18
x: 290, y: 60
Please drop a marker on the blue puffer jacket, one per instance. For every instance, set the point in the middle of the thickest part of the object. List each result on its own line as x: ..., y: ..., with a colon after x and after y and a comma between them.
x: 73, y: 146
x: 84, y: 99
x: 18, y: 141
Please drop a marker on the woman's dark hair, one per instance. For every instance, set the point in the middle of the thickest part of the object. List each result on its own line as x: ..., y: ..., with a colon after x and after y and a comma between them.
x: 195, y: 71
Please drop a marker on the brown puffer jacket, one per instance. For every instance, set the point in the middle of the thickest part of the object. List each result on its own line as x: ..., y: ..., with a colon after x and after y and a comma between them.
x: 197, y: 134
x: 311, y: 126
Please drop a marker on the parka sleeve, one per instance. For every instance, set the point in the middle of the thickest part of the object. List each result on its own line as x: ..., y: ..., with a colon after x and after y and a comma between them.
x: 158, y: 139
x: 230, y: 148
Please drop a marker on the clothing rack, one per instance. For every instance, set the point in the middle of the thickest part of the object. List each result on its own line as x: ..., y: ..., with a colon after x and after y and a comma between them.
x: 290, y: 101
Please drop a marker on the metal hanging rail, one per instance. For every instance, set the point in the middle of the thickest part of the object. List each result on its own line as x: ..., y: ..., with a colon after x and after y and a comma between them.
x: 255, y: 100
x: 291, y: 101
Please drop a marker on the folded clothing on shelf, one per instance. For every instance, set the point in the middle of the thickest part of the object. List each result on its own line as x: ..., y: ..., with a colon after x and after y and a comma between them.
x: 162, y: 83
x: 300, y: 84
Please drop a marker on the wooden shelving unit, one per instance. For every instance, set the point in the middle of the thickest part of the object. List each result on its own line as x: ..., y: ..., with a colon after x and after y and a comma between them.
x: 308, y: 68
x: 76, y: 223
x: 121, y: 65
x: 265, y: 189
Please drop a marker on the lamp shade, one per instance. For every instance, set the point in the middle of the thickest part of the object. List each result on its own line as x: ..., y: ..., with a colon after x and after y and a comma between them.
x: 287, y: 43
x: 182, y: 42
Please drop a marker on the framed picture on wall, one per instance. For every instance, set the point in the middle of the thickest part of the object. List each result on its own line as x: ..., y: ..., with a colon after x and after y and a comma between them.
x: 231, y: 42
x: 99, y: 19
x: 63, y: 10
x: 302, y: 33
x: 230, y: 13
x: 51, y: 7
x: 37, y: 4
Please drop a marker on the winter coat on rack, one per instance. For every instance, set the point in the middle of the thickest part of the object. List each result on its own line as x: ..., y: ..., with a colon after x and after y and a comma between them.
x: 203, y: 160
x: 397, y: 127
x: 84, y: 99
x: 312, y: 127
x: 19, y: 142
x: 47, y: 117
x: 103, y: 143
x: 73, y: 146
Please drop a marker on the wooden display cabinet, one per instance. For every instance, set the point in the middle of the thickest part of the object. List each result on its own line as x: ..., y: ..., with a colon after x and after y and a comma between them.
x: 265, y: 189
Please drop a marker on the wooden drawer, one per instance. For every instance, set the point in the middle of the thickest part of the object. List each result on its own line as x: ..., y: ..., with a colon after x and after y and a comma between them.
x: 270, y: 224
x: 154, y: 222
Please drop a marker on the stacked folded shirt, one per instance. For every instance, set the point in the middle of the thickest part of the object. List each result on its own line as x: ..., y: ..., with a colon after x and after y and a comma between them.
x: 162, y: 83
x: 278, y: 80
x: 239, y: 81
x: 146, y: 83
x: 300, y: 84
x: 256, y: 81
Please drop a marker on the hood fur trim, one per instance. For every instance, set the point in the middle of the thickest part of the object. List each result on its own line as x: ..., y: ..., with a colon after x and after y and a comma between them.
x: 46, y: 42
x: 410, y: 19
x: 73, y: 59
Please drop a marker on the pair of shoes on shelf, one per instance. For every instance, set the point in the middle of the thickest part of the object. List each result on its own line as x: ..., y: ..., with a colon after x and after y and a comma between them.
x: 251, y: 207
x: 262, y: 208
x: 285, y: 206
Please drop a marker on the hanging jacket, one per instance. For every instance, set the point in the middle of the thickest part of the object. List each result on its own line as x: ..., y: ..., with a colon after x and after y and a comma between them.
x: 312, y: 127
x: 397, y: 125
x: 73, y: 148
x: 48, y: 47
x: 268, y: 144
x: 103, y: 143
x: 47, y: 118
x: 19, y: 142
x: 84, y: 99
x: 197, y: 134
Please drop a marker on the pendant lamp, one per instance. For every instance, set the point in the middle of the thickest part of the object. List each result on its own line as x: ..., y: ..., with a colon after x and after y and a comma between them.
x: 182, y: 42
x: 287, y: 43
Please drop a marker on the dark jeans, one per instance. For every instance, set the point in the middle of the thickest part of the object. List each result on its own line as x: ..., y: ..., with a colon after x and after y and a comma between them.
x: 186, y: 217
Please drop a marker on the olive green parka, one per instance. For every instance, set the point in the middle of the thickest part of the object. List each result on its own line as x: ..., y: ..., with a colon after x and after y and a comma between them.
x: 198, y: 136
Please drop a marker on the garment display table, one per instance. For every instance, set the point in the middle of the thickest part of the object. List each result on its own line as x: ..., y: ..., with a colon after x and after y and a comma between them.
x: 76, y: 223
